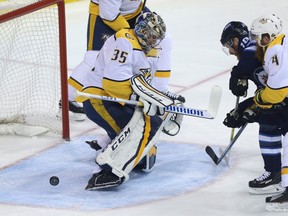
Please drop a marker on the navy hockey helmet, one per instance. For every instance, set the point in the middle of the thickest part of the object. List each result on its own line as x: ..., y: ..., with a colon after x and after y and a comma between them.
x: 150, y: 30
x: 234, y: 29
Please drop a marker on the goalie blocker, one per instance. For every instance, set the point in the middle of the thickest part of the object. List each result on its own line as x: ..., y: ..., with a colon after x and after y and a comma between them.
x: 155, y: 101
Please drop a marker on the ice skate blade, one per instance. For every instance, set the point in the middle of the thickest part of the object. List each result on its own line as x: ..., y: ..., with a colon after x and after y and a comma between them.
x: 269, y: 190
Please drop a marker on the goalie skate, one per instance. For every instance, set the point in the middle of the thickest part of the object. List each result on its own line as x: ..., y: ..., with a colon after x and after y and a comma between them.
x: 76, y: 112
x: 103, y: 179
x: 271, y: 189
x: 267, y: 183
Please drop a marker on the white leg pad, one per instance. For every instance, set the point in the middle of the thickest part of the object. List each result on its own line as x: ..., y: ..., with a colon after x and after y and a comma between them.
x: 122, y: 153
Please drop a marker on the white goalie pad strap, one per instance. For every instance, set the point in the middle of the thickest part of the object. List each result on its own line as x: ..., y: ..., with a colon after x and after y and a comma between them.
x: 121, y: 153
x: 146, y: 91
x: 173, y: 125
x: 150, y: 159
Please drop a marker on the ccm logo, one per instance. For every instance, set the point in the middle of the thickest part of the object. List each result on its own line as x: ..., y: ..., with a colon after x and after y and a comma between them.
x: 122, y: 136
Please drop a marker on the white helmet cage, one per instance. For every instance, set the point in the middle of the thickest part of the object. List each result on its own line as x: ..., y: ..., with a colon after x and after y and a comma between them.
x: 267, y: 24
x: 150, y: 30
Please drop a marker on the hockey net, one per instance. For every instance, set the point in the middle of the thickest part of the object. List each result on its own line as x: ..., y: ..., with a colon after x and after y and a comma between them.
x: 33, y: 67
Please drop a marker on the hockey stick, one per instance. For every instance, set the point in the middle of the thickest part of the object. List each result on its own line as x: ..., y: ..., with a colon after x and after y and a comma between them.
x: 213, y: 155
x: 233, y: 129
x: 232, y: 133
x: 144, y: 4
x: 210, y: 113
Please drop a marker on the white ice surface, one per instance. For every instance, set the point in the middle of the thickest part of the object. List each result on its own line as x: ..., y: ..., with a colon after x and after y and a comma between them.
x: 198, y: 64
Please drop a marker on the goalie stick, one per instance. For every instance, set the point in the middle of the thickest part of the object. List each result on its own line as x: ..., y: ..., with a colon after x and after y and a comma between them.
x: 210, y: 113
x: 213, y: 155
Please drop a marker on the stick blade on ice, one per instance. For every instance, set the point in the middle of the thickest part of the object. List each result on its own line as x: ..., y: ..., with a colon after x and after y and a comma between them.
x: 212, y: 154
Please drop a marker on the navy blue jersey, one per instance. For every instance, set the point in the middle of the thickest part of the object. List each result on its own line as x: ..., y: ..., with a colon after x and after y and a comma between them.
x: 249, y: 67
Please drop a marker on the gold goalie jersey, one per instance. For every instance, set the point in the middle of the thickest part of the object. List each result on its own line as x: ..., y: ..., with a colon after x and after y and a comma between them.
x: 120, y: 58
x: 276, y: 64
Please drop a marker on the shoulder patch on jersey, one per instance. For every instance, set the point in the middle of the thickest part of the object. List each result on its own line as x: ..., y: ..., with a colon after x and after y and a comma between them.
x: 278, y: 40
x: 153, y: 53
x: 130, y: 36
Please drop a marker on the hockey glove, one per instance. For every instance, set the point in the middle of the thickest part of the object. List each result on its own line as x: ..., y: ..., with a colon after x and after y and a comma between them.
x: 173, y: 96
x: 251, y: 114
x: 280, y: 106
x: 237, y: 86
x: 233, y: 119
x: 151, y: 109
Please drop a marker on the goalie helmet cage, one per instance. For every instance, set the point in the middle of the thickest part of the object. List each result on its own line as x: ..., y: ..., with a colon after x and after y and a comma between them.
x: 33, y: 66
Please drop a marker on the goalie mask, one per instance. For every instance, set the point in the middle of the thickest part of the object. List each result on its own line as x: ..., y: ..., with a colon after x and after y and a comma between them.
x: 267, y: 24
x: 150, y: 30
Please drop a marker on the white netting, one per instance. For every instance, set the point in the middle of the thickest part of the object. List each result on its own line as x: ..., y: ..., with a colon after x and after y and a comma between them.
x: 10, y: 5
x: 30, y: 67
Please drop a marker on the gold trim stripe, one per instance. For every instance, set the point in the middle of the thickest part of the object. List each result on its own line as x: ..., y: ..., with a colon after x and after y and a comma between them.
x: 284, y: 171
x: 145, y: 139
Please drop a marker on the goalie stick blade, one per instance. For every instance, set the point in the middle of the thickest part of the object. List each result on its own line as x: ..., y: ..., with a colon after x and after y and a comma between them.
x: 214, y: 101
x: 189, y: 112
x: 212, y: 155
x: 210, y: 113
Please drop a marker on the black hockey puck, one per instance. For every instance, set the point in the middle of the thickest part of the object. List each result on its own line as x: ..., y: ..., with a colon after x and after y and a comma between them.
x: 54, y: 180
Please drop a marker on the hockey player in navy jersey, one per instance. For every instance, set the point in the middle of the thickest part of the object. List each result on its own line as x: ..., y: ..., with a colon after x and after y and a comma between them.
x: 235, y: 40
